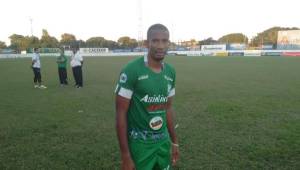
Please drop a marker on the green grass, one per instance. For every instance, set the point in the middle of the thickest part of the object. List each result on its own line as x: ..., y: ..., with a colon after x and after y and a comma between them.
x: 233, y: 113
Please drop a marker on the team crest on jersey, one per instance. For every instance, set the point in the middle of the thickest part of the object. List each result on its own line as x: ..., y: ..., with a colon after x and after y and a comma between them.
x: 123, y: 78
x: 156, y: 123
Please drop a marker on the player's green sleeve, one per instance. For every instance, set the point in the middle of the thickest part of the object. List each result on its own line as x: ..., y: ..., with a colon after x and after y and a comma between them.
x: 126, y: 83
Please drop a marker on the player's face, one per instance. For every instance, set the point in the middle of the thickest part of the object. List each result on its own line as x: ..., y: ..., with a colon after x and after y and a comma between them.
x: 158, y: 44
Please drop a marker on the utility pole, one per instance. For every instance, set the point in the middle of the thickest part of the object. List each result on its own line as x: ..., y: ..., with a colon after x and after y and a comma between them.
x: 140, y: 24
x: 31, y: 29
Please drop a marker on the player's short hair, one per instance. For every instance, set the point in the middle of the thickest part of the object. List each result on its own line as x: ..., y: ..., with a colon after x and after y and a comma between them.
x: 156, y: 27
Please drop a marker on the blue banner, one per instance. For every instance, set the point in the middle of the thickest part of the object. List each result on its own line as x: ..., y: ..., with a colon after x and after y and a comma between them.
x: 236, y: 54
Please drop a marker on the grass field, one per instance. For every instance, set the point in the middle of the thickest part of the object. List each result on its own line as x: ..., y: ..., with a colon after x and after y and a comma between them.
x: 233, y: 113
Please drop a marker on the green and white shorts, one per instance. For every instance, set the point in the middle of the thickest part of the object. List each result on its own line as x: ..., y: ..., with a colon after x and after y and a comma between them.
x: 151, y: 156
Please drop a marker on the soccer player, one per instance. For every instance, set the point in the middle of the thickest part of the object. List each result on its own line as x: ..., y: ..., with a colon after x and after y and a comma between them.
x: 62, y: 71
x: 144, y: 112
x: 76, y: 64
x: 36, y: 67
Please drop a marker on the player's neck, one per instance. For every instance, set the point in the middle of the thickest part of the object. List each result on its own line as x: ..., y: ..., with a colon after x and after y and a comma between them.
x: 154, y: 65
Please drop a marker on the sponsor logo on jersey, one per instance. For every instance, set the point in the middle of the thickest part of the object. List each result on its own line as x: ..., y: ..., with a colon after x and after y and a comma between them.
x: 156, y: 123
x: 143, y: 77
x: 154, y: 99
x: 156, y: 107
x: 123, y: 78
x: 168, y: 78
x: 147, y: 135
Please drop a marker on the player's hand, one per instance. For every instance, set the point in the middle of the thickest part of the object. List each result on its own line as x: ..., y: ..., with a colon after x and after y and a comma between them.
x: 175, y: 154
x: 31, y: 67
x: 127, y: 163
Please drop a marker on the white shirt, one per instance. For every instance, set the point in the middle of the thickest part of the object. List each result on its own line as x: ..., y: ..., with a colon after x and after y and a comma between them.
x: 76, y: 59
x: 36, y: 58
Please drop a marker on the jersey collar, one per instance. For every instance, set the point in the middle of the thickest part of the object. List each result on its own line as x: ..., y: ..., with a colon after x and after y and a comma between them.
x: 146, y: 61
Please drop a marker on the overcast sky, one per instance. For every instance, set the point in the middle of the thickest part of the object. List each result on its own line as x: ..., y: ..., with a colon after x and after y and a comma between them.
x: 111, y: 19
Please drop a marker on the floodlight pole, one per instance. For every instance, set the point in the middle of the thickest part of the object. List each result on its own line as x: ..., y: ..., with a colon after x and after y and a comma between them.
x: 140, y: 24
x: 31, y: 30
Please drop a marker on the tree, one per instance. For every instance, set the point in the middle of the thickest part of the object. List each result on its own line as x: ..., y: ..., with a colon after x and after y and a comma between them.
x: 173, y: 46
x: 2, y: 45
x: 208, y: 41
x: 81, y: 43
x: 234, y: 38
x: 21, y: 43
x: 193, y: 42
x: 32, y: 42
x: 48, y: 41
x: 95, y: 42
x: 111, y: 44
x: 68, y: 40
x: 133, y: 43
x: 16, y: 42
x: 126, y: 42
x: 101, y: 42
x: 269, y: 36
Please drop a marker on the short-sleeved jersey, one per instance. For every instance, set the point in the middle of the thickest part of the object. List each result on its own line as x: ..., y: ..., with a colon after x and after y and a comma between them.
x: 148, y: 93
x: 76, y: 59
x: 36, y: 58
x: 62, y: 61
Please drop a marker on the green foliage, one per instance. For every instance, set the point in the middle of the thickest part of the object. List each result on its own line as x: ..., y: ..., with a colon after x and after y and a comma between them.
x: 81, y: 43
x: 68, y: 40
x: 33, y: 41
x: 208, y: 41
x: 101, y: 42
x: 126, y: 42
x: 269, y: 36
x: 95, y: 42
x: 17, y: 42
x: 111, y: 44
x: 20, y: 42
x: 233, y: 38
x: 2, y: 45
x: 48, y: 41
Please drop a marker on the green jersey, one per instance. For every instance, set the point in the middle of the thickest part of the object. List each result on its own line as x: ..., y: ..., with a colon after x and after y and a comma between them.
x: 148, y: 93
x: 62, y: 61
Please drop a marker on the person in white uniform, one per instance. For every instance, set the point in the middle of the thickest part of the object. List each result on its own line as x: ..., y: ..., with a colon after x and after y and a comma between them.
x: 36, y: 67
x: 76, y: 64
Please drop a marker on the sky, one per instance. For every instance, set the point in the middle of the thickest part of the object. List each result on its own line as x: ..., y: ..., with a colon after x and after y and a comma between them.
x: 112, y: 19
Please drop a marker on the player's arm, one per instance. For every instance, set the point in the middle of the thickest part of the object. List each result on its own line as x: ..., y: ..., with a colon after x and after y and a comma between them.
x: 81, y: 59
x: 122, y: 105
x: 171, y: 129
x: 33, y: 61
